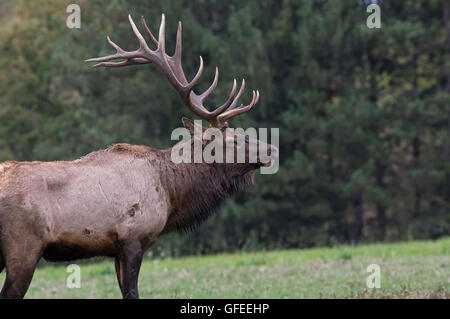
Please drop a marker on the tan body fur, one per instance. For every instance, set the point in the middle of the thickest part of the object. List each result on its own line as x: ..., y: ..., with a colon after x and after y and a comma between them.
x: 84, y: 207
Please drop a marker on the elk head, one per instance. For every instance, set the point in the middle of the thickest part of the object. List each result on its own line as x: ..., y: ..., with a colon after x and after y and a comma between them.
x: 172, y: 68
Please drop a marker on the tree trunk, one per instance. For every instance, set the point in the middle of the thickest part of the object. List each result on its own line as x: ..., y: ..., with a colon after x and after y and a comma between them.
x: 447, y: 86
x: 416, y: 149
x: 359, y: 219
x: 381, y: 207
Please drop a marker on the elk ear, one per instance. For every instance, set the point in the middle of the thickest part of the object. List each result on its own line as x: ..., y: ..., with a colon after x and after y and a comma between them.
x: 190, y: 125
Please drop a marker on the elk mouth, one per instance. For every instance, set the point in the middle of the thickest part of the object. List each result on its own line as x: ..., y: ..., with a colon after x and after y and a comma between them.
x: 268, y: 164
x: 262, y: 164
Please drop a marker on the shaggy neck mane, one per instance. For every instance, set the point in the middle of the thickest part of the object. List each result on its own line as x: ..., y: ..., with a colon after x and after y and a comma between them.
x: 197, y: 190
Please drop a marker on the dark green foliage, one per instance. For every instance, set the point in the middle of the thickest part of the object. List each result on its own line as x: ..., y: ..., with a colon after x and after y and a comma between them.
x: 363, y: 113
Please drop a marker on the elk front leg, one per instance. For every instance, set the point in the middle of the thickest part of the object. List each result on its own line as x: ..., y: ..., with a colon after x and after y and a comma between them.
x: 128, y: 264
x: 20, y: 268
x: 2, y: 263
x: 119, y: 273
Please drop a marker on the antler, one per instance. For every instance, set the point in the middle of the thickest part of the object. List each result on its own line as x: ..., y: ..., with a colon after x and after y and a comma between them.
x: 171, y: 67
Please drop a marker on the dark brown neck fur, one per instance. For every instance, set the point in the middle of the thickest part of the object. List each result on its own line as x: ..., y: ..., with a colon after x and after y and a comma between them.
x: 197, y: 190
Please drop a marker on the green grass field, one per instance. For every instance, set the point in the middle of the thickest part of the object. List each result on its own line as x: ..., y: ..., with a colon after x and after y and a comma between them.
x: 408, y: 270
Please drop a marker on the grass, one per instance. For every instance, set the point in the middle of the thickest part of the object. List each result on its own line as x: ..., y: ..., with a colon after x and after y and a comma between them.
x: 419, y: 269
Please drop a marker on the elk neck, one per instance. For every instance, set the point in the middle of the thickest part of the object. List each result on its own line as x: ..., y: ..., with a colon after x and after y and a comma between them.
x: 196, y: 190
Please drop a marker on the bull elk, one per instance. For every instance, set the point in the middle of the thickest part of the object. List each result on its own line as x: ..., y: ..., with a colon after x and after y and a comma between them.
x: 116, y: 202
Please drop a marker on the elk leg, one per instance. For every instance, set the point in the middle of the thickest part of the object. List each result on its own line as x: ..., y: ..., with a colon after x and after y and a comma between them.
x: 19, y: 272
x: 130, y: 263
x: 119, y: 273
x: 2, y: 262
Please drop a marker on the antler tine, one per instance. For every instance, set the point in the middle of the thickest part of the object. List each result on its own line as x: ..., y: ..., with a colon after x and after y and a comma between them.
x: 122, y: 63
x: 119, y: 51
x: 236, y: 100
x: 242, y: 109
x: 211, y: 88
x: 142, y: 44
x: 148, y: 32
x: 176, y: 58
x: 197, y: 76
x: 115, y: 46
x: 162, y: 35
x: 178, y: 47
x: 117, y: 64
x: 227, y: 103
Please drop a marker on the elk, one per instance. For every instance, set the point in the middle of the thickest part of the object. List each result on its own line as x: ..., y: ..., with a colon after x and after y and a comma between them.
x: 116, y: 202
